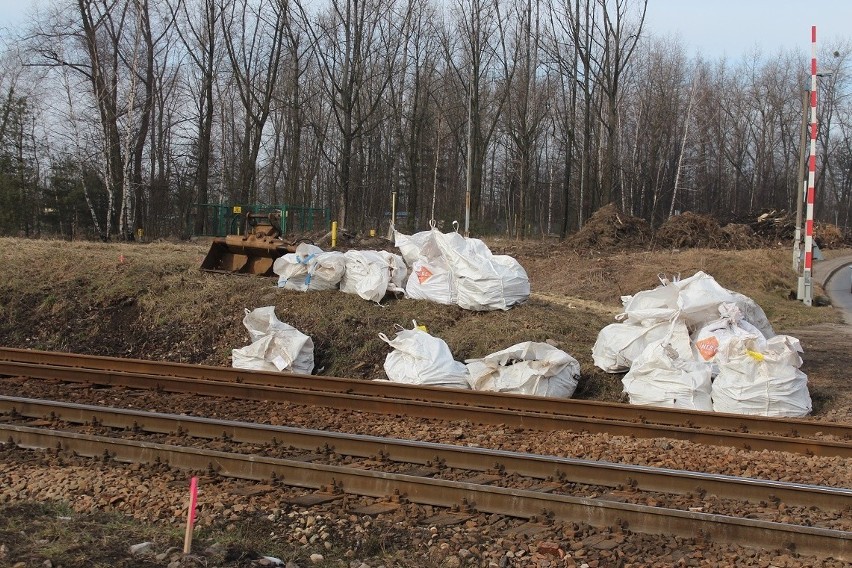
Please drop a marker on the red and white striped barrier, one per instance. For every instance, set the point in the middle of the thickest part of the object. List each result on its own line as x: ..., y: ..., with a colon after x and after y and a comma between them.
x: 809, y: 200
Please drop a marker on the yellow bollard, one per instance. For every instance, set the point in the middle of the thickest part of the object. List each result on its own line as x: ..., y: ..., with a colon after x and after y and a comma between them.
x: 333, y: 234
x: 372, y: 232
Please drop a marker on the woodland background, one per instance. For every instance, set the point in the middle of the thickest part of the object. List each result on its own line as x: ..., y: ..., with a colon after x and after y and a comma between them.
x: 119, y: 115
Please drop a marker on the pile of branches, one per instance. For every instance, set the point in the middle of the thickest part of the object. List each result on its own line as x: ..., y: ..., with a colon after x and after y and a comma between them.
x: 829, y: 236
x: 741, y: 236
x: 691, y: 230
x: 611, y: 229
x: 774, y: 225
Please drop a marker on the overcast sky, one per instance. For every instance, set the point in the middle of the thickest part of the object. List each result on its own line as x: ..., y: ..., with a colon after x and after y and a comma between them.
x: 731, y: 28
x: 712, y: 27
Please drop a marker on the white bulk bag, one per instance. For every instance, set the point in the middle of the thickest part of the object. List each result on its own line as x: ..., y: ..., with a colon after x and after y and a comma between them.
x: 419, y: 358
x: 477, y: 279
x: 666, y: 375
x: 619, y: 344
x: 275, y: 345
x: 700, y: 297
x: 650, y: 307
x: 504, y: 284
x: 483, y: 281
x: 326, y: 271
x: 710, y: 342
x: 430, y: 280
x: 367, y: 274
x: 292, y: 268
x: 764, y: 382
x: 291, y: 352
x: 530, y: 368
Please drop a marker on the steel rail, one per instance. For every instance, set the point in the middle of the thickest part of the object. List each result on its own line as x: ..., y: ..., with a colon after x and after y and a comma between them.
x: 590, y: 409
x: 434, y: 410
x: 566, y: 470
x: 437, y: 492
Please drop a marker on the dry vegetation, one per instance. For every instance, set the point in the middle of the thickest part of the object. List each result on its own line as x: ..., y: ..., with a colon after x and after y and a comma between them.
x: 151, y: 301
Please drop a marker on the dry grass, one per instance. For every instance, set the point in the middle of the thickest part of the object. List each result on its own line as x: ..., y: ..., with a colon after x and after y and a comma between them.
x: 151, y: 301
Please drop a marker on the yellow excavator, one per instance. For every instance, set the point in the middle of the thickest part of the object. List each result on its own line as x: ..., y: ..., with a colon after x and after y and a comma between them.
x: 253, y: 250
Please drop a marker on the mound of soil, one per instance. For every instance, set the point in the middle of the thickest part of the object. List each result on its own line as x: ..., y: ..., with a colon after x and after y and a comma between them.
x: 609, y: 229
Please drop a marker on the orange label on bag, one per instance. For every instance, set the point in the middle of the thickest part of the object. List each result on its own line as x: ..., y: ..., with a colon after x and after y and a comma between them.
x: 423, y: 274
x: 708, y: 347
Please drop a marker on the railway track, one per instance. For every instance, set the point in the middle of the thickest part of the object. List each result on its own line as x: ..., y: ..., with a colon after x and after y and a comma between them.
x: 738, y: 431
x: 422, y: 486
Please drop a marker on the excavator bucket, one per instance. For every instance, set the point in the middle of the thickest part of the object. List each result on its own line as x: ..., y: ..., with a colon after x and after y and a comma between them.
x: 253, y: 252
x: 241, y: 255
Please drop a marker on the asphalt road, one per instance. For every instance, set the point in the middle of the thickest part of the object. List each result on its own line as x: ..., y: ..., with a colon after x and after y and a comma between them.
x: 839, y: 287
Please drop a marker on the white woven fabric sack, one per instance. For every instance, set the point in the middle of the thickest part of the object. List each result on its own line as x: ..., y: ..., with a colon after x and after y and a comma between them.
x: 530, y: 368
x: 762, y: 379
x: 419, y: 358
x: 619, y: 344
x: 666, y: 375
x: 275, y: 346
x: 367, y: 274
x: 309, y: 268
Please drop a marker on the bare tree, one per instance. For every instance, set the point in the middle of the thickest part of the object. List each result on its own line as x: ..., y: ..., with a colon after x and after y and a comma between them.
x: 563, y: 60
x: 479, y: 24
x: 356, y: 44
x: 254, y: 39
x: 96, y: 48
x: 619, y: 37
x: 197, y: 22
x: 526, y: 107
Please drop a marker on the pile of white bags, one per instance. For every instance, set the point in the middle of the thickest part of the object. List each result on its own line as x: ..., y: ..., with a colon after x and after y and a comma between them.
x: 672, y: 341
x: 530, y: 368
x: 309, y: 268
x: 369, y: 274
x: 444, y: 268
x: 451, y: 269
x: 419, y: 358
x: 276, y: 346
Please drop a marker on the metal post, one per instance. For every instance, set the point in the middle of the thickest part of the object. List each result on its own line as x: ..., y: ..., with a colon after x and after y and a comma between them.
x: 800, y: 186
x: 469, y: 156
x: 809, y: 214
